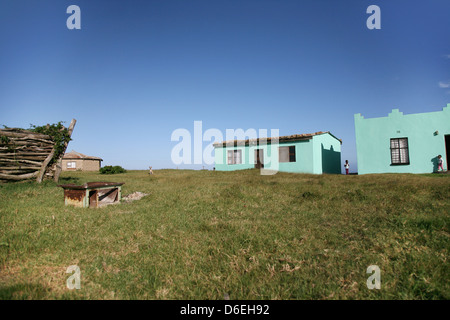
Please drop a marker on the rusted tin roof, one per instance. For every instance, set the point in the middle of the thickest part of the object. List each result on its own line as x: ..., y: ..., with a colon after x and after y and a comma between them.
x: 77, y: 155
x: 293, y: 137
x: 91, y: 185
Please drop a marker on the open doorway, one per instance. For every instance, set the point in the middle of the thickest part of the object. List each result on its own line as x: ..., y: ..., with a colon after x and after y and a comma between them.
x: 447, y: 150
x: 259, y: 158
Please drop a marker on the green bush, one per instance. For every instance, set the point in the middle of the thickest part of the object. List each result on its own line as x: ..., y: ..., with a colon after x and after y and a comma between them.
x: 59, y: 134
x: 112, y: 170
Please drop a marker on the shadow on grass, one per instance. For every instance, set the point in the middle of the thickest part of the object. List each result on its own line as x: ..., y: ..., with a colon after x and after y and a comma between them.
x: 23, y: 291
x: 66, y: 180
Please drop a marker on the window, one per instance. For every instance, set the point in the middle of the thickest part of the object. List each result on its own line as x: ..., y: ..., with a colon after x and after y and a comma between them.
x: 286, y: 154
x: 292, y: 154
x: 399, y: 151
x: 71, y: 165
x: 234, y: 156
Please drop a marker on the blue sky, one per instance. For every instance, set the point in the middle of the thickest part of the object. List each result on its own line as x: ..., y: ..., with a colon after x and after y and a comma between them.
x: 138, y: 70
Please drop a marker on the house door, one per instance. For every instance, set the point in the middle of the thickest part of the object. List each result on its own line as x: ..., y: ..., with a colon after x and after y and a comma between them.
x: 447, y: 150
x: 259, y: 158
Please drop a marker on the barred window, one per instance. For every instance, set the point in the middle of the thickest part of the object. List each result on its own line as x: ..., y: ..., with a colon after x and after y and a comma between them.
x: 234, y: 156
x: 399, y: 151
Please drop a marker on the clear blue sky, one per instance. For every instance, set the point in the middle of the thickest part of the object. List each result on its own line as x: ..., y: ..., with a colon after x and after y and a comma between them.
x: 138, y: 70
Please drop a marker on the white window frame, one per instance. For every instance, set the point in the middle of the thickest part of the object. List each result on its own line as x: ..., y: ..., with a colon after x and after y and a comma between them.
x: 234, y: 157
x: 71, y: 165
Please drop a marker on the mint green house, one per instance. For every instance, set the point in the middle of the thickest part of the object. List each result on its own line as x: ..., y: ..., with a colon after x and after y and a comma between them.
x: 315, y: 153
x: 402, y: 143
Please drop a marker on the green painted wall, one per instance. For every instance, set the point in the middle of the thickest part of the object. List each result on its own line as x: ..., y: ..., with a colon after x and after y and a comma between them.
x: 321, y: 154
x: 373, y: 141
x: 220, y: 156
x: 303, y: 155
x: 327, y: 154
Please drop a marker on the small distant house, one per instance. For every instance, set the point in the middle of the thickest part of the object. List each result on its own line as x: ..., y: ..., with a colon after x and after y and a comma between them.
x: 73, y: 161
x: 315, y: 153
x: 402, y: 143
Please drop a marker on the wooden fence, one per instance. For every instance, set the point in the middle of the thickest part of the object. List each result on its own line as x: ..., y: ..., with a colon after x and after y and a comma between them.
x: 26, y: 155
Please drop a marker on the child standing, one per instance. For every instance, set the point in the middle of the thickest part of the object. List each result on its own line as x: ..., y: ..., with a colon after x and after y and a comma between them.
x: 347, y: 166
x: 440, y: 163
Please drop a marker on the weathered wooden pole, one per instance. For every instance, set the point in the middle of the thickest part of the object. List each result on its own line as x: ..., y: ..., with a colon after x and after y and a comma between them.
x: 58, y: 166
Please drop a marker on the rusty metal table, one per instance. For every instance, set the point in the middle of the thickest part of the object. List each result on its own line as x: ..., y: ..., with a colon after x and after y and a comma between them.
x: 92, y: 194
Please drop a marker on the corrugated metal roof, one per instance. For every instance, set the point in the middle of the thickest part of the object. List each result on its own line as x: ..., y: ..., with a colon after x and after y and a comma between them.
x: 77, y: 155
x: 293, y: 137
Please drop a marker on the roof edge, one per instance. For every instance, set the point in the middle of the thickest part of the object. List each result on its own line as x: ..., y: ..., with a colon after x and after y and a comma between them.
x: 281, y: 139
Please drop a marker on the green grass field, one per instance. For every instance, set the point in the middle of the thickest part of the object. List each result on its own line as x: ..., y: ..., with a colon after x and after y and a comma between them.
x: 207, y: 235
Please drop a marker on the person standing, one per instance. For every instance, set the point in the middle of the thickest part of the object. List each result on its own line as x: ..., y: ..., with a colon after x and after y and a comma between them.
x: 440, y: 163
x: 347, y: 166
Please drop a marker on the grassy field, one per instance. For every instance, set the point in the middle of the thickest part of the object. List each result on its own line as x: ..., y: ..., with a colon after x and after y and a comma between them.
x: 210, y: 235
